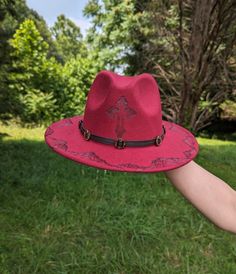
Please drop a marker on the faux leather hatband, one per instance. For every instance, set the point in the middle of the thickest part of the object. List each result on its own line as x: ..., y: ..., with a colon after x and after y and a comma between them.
x: 120, y: 143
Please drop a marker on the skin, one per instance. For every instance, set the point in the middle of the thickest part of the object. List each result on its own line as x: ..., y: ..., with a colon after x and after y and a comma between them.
x: 209, y: 194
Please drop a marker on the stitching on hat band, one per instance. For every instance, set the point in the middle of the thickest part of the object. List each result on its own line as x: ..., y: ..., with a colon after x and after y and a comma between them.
x: 120, y: 143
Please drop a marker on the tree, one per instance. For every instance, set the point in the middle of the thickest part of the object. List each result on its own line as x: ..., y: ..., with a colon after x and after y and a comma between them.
x: 202, y: 70
x: 111, y: 35
x: 68, y: 38
x: 45, y: 90
x: 12, y: 14
x: 34, y: 76
x: 9, y: 17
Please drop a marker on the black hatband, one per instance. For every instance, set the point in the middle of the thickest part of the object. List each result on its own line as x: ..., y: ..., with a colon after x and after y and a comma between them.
x: 120, y: 143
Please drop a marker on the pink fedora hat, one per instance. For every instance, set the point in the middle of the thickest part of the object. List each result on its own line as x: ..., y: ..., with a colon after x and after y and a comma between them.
x: 122, y: 128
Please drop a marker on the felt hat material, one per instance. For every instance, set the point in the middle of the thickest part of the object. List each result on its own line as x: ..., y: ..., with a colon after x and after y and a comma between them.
x: 122, y: 128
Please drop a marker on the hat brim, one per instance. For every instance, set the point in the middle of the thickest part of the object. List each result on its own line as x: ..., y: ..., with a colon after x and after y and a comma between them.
x: 177, y: 149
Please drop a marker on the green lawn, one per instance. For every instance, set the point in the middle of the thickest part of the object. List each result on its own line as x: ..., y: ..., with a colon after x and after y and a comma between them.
x: 60, y: 217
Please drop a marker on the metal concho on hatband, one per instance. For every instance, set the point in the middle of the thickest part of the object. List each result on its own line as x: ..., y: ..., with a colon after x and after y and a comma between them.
x: 120, y: 143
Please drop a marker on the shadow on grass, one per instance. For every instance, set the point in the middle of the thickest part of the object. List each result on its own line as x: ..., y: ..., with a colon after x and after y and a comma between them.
x: 32, y: 161
x: 32, y: 166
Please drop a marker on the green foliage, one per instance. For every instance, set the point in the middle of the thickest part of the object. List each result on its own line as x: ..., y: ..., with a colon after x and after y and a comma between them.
x: 9, y: 16
x: 68, y: 39
x: 28, y: 43
x: 45, y: 89
x: 111, y: 34
x: 38, y: 106
x: 228, y: 110
x: 12, y: 14
x: 78, y: 75
x: 33, y: 74
x: 124, y: 33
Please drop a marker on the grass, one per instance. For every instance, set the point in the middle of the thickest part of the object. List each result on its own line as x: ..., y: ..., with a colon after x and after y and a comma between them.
x: 60, y: 217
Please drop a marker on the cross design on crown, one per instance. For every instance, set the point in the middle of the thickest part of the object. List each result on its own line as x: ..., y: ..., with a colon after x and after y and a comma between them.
x: 120, y: 111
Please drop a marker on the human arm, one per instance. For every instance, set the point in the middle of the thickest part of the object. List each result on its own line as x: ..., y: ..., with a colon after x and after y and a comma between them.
x: 208, y: 193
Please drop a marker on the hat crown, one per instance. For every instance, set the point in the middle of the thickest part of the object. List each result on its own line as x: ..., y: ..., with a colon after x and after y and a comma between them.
x: 127, y: 107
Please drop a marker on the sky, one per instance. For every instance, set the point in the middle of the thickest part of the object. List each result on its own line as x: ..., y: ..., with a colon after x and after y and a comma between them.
x: 73, y: 9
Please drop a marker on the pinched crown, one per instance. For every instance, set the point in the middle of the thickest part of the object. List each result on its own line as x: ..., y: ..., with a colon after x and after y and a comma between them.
x: 127, y: 107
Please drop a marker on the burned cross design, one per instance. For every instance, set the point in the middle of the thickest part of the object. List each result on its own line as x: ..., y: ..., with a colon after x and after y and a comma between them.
x: 121, y: 111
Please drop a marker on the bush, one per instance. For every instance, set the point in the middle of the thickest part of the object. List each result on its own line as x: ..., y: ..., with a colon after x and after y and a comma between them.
x: 228, y: 110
